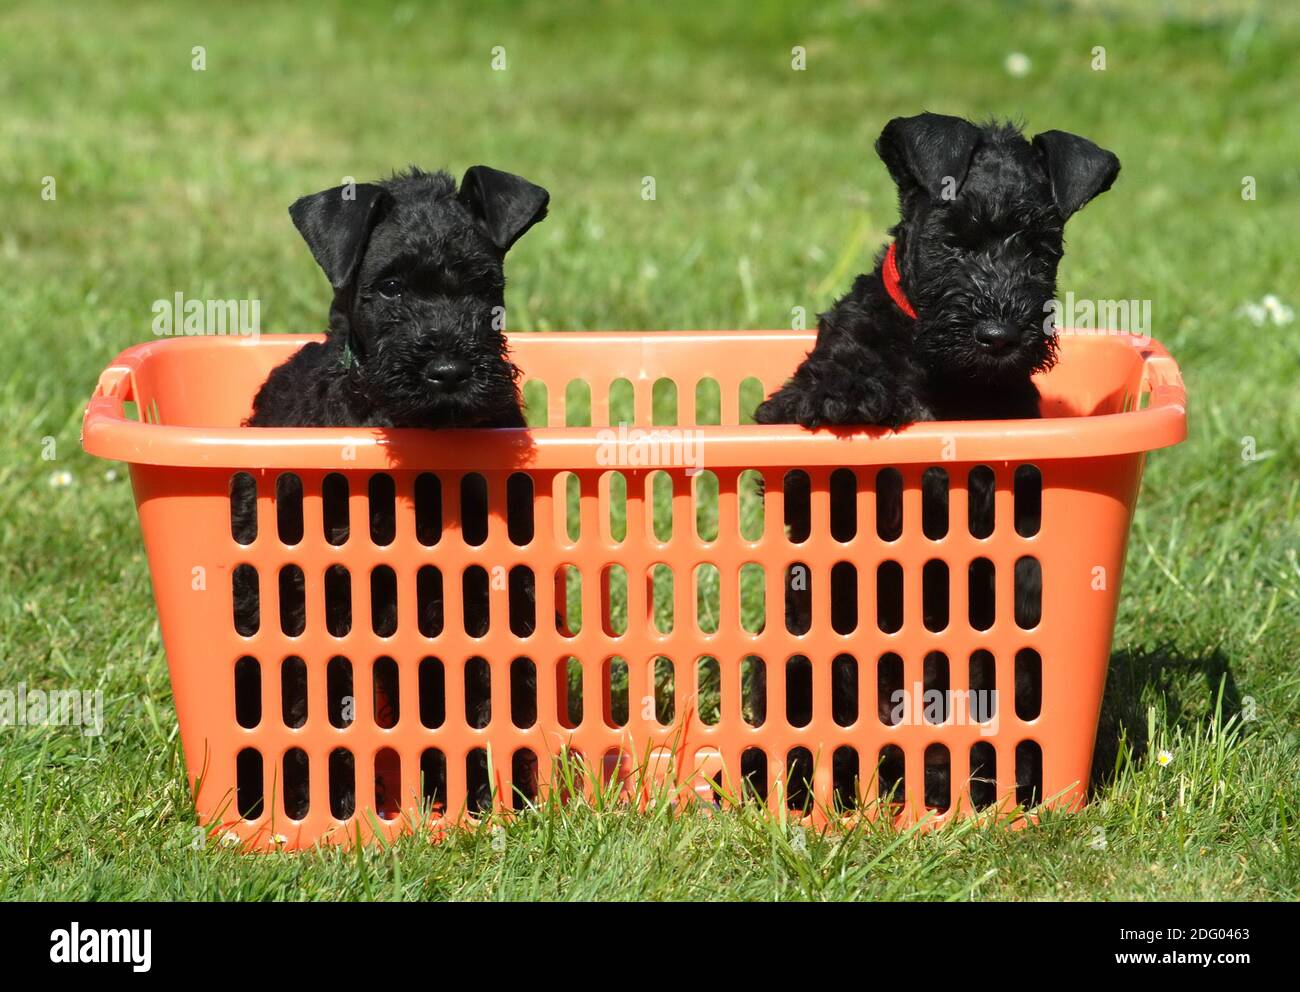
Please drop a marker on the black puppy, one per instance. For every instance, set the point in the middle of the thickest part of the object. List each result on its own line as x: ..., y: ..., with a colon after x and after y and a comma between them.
x: 415, y: 340
x: 955, y: 317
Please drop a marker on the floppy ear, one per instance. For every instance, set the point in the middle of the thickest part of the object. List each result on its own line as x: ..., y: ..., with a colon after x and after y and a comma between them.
x: 1077, y: 168
x: 506, y: 205
x: 336, y: 224
x: 929, y: 149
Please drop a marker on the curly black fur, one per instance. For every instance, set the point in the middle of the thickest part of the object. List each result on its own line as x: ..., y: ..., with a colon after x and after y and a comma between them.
x: 978, y: 242
x: 415, y: 338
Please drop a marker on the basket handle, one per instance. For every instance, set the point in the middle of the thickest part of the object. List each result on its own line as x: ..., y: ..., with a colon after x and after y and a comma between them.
x: 1162, y: 379
x: 116, y: 387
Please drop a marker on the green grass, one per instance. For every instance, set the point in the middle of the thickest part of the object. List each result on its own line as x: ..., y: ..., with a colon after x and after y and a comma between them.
x: 768, y: 197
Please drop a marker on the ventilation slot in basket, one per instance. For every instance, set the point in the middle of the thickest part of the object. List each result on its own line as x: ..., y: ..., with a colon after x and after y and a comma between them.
x: 243, y: 508
x: 248, y: 783
x: 338, y: 688
x: 293, y: 691
x: 523, y: 693
x: 983, y: 774
x: 1029, y: 593
x: 1029, y: 684
x: 478, y: 693
x: 334, y: 508
x: 934, y: 503
x: 383, y: 510
x: 248, y: 692
x: 1028, y: 500
x: 433, y: 781
x: 297, y: 791
x: 288, y: 508
x: 844, y: 777
x: 343, y: 784
x: 1029, y: 774
x: 980, y: 489
x: 799, y: 779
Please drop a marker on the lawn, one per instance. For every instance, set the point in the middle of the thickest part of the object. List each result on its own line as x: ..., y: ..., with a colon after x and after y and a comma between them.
x: 768, y: 196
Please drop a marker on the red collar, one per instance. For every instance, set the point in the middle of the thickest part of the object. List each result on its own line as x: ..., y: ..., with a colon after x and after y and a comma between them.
x: 889, y: 272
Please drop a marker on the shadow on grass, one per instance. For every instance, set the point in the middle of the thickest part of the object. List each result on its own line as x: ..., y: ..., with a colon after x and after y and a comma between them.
x: 1188, y: 686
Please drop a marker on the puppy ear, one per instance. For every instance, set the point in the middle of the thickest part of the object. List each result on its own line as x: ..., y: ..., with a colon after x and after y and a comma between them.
x: 336, y: 224
x: 933, y: 150
x: 506, y: 205
x: 1077, y: 168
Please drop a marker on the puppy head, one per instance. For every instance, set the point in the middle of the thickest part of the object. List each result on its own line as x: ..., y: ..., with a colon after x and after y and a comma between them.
x: 419, y: 286
x: 980, y: 239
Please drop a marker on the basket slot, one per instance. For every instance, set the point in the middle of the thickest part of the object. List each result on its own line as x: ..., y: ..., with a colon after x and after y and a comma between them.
x: 614, y: 694
x: 982, y: 777
x: 428, y: 508
x: 1028, y: 484
x: 754, y: 774
x: 431, y: 692
x: 981, y: 486
x: 666, y: 410
x: 981, y: 594
x: 707, y: 404
x: 934, y: 503
x: 935, y: 594
x: 890, y: 697
x: 338, y: 600
x: 385, y: 692
x: 246, y: 600
x: 1029, y: 684
x: 288, y: 508
x: 710, y: 699
x: 248, y: 692
x: 342, y: 783
x: 297, y: 783
x: 478, y: 692
x: 523, y: 693
x: 340, y: 703
x: 1028, y: 592
x: 387, y: 784
x: 433, y: 780
x: 892, y: 786
x: 845, y: 690
x: 569, y: 696
x: 1029, y: 773
x: 889, y: 504
x: 938, y: 778
x: 243, y: 508
x: 936, y: 703
x: 249, y: 784
x: 292, y: 594
x: 981, y: 687
x: 799, y: 779
x: 523, y: 778
x: 578, y: 410
x: 293, y: 693
x: 846, y: 782
x: 382, y: 509
x: 891, y: 607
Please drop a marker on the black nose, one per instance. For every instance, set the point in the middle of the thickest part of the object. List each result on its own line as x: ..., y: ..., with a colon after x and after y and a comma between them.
x: 996, y: 336
x: 447, y: 373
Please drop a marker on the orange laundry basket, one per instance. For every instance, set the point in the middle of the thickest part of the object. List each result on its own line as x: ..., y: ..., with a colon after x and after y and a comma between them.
x: 645, y: 591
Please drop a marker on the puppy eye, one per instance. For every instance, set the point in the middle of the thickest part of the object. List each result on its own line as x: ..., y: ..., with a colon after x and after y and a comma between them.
x: 390, y: 289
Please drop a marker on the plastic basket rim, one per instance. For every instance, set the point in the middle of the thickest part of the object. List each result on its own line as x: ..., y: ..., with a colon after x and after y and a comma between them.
x: 108, y: 433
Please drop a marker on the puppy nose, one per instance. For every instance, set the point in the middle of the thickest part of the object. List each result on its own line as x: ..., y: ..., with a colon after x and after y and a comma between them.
x: 995, y: 336
x: 448, y: 373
